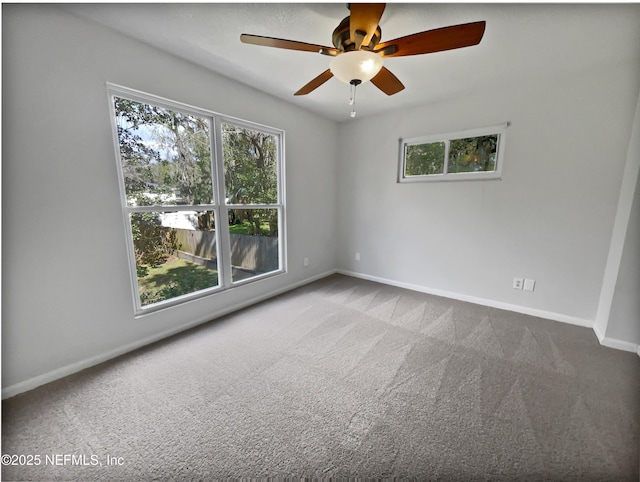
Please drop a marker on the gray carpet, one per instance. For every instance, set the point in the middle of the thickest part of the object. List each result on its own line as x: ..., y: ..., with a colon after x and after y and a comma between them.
x: 343, y: 378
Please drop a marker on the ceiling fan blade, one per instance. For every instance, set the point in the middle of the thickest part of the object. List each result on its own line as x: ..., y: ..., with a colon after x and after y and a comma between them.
x: 363, y: 21
x: 287, y: 44
x: 387, y: 82
x: 315, y: 83
x: 446, y: 38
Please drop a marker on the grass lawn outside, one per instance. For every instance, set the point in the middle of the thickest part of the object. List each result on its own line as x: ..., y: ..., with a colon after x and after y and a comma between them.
x: 173, y: 278
x: 245, y: 228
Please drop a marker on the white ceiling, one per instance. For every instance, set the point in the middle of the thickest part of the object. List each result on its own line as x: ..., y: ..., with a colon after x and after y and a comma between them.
x: 522, y: 43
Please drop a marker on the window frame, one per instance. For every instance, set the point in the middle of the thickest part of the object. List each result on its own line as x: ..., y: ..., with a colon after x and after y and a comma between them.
x: 279, y: 205
x: 499, y: 129
x: 218, y: 206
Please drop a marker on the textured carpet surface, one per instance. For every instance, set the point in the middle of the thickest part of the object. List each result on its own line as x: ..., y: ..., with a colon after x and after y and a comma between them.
x: 343, y: 378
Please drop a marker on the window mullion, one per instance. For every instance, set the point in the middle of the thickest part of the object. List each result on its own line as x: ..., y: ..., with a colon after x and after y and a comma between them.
x: 447, y: 145
x: 253, y: 206
x: 170, y: 208
x: 222, y: 221
x: 280, y: 170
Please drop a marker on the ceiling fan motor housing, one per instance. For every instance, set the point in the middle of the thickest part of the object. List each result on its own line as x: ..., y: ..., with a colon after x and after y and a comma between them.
x: 342, y: 37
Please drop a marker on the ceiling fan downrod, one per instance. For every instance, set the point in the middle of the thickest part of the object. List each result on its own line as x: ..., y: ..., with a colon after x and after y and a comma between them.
x: 342, y: 40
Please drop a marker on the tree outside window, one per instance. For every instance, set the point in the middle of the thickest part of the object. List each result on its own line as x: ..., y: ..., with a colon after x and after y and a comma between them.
x: 176, y: 217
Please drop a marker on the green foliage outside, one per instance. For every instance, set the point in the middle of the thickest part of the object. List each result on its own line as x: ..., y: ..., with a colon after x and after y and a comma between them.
x: 166, y: 158
x: 425, y: 159
x: 166, y: 161
x: 474, y: 154
x: 153, y: 243
x: 174, y: 277
x: 250, y: 170
x: 250, y: 166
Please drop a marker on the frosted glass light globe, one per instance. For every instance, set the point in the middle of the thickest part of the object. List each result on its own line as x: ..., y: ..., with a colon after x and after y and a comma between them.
x: 359, y: 65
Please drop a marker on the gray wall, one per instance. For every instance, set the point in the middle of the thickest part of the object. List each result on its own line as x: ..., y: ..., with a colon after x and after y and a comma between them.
x: 617, y: 321
x: 67, y: 304
x: 624, y: 319
x: 550, y: 218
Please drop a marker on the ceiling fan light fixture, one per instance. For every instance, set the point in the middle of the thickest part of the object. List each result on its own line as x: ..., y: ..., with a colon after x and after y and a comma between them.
x: 358, y: 54
x: 361, y: 65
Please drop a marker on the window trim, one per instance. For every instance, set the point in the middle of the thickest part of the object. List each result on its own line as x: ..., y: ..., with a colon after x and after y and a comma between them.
x: 499, y: 129
x: 219, y: 206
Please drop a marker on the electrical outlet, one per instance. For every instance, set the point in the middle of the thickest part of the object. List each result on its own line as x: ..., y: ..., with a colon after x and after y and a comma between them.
x: 357, y: 256
x: 306, y: 261
x: 529, y: 284
x: 518, y: 283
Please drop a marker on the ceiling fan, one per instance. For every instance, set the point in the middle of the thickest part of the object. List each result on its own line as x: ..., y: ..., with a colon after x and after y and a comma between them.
x: 358, y: 53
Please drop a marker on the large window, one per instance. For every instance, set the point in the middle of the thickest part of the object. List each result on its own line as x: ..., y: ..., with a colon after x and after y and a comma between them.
x: 463, y: 155
x: 202, y: 198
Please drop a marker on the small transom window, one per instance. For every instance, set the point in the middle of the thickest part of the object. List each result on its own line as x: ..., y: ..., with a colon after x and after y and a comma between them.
x: 463, y: 155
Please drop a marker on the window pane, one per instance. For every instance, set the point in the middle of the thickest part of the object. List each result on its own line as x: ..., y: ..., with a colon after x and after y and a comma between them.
x: 175, y: 253
x: 250, y: 164
x: 165, y: 155
x: 475, y: 154
x: 424, y: 159
x: 254, y: 242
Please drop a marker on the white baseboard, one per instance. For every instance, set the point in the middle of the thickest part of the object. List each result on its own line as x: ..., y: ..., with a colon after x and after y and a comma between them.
x: 72, y: 368
x: 604, y: 341
x: 599, y: 333
x: 549, y: 315
x: 614, y: 343
x: 621, y: 345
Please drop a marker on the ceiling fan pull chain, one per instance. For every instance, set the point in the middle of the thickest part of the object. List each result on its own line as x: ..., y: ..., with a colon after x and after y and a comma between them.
x: 352, y: 97
x: 353, y: 101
